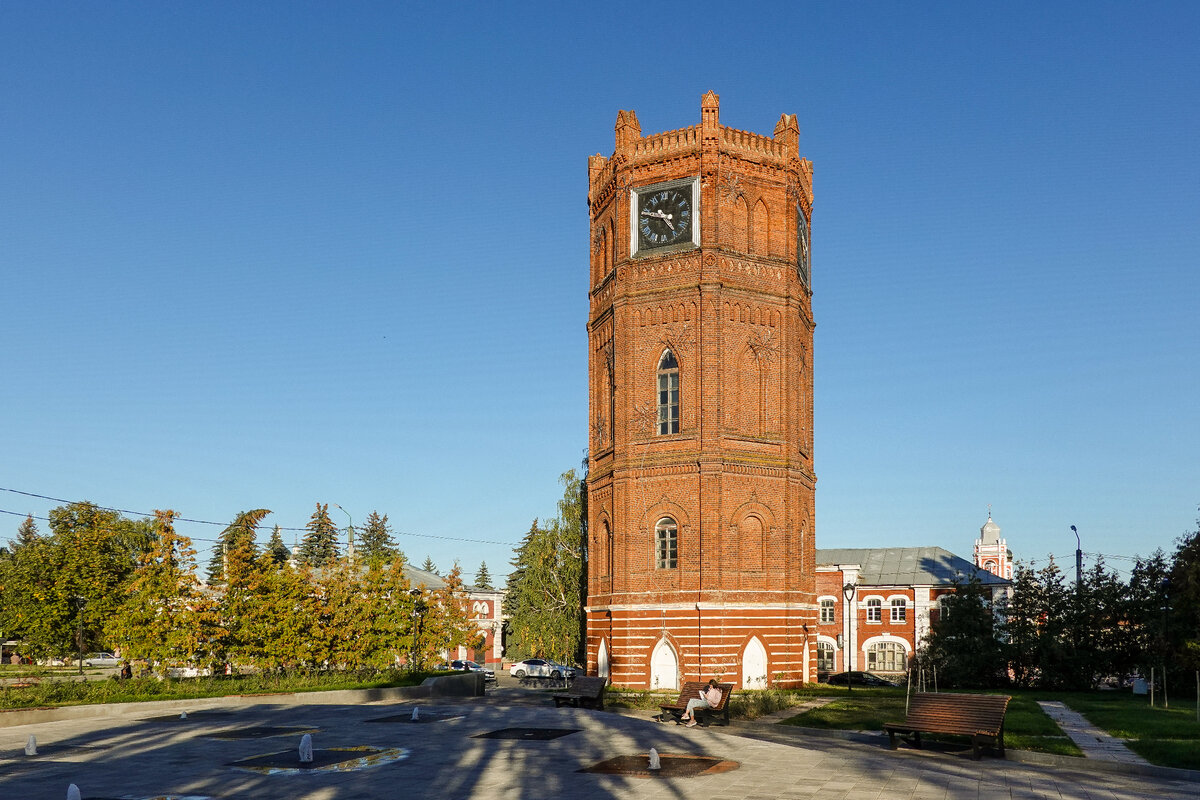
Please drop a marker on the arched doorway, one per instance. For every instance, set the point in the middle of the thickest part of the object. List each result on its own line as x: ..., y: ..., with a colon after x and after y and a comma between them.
x: 602, y: 659
x: 754, y: 665
x: 664, y: 667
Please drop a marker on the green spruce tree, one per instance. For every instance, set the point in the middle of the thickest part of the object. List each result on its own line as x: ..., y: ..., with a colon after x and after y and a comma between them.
x: 429, y: 566
x: 276, y: 550
x: 320, y: 544
x: 483, y: 578
x: 27, y: 533
x: 376, y: 544
x: 243, y: 529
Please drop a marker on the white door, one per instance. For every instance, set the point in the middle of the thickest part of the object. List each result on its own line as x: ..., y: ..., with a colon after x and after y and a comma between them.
x: 754, y: 665
x: 602, y: 660
x: 664, y: 667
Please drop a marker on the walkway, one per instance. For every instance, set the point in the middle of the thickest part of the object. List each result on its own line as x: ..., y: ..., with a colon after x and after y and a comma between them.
x: 1094, y: 742
x: 454, y: 751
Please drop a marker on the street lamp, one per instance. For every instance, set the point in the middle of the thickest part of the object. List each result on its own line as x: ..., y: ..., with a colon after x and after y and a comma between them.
x: 1078, y: 560
x: 349, y: 532
x: 848, y: 591
x: 80, y: 602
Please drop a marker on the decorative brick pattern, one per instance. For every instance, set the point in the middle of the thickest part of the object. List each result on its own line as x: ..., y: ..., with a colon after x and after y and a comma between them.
x: 738, y: 478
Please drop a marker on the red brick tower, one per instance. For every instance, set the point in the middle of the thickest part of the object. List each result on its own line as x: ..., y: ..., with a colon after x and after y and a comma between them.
x: 701, y: 482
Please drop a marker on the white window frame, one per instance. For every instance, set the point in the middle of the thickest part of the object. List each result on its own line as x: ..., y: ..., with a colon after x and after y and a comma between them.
x: 898, y: 604
x: 821, y: 605
x: 874, y: 606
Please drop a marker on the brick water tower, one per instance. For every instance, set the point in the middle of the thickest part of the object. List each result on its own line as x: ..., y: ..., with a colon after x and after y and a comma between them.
x: 701, y: 482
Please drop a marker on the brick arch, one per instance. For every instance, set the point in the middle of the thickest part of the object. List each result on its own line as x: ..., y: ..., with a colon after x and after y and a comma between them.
x: 739, y: 222
x: 665, y: 637
x: 664, y: 507
x: 760, y: 226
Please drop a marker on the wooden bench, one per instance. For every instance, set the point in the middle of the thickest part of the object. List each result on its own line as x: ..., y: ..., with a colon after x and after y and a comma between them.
x: 691, y: 690
x: 977, y: 716
x: 584, y: 692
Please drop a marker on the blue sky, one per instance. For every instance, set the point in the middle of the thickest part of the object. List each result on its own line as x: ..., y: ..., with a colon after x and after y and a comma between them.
x: 277, y: 254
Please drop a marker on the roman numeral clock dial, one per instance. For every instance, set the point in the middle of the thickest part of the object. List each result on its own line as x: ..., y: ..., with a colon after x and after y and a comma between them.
x: 664, y: 216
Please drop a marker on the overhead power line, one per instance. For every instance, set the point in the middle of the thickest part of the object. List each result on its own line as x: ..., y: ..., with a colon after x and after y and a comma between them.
x: 226, y: 524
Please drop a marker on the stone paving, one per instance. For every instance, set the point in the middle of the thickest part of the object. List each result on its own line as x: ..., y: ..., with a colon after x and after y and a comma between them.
x: 159, y: 755
x: 1094, y: 742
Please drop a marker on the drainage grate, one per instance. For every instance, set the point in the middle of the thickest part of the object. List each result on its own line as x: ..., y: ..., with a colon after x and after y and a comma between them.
x: 264, y: 732
x: 333, y: 759
x: 672, y: 766
x: 527, y: 734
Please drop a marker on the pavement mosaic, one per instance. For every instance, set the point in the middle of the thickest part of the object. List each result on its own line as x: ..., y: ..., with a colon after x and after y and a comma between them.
x: 150, y: 757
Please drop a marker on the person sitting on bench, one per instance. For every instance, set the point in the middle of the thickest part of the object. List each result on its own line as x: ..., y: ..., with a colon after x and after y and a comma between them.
x: 711, y: 699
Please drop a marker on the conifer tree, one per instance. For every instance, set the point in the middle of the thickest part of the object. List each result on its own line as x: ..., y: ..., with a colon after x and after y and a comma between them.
x: 27, y: 533
x: 243, y: 529
x: 429, y: 566
x: 320, y: 545
x: 276, y: 550
x: 483, y: 578
x: 377, y: 544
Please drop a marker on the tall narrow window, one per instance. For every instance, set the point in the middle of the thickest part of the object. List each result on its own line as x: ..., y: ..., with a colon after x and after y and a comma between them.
x: 666, y: 539
x: 826, y: 610
x: 824, y: 657
x: 668, y: 394
x: 899, y: 609
x: 874, y: 610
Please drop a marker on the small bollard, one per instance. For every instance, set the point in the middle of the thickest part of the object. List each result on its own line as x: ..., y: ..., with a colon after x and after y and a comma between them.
x: 183, y: 715
x: 306, y: 749
x: 416, y: 713
x: 31, y: 745
x: 655, y: 762
x: 73, y: 792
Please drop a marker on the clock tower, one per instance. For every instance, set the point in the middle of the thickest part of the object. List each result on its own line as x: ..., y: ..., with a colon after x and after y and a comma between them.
x: 701, y: 482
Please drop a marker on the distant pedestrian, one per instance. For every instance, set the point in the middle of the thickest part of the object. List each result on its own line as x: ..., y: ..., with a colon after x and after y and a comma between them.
x: 126, y: 670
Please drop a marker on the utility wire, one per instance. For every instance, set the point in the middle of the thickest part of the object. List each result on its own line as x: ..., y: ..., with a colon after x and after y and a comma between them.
x: 226, y: 524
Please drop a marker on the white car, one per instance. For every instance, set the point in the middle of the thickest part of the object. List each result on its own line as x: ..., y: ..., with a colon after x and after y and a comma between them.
x: 101, y: 660
x: 540, y: 668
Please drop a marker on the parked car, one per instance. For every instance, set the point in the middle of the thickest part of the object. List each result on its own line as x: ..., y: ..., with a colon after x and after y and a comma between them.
x: 473, y: 666
x: 860, y: 679
x: 101, y: 660
x: 540, y: 668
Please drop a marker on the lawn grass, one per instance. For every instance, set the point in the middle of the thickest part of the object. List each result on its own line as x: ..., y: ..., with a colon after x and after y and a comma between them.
x: 1026, y: 726
x: 65, y: 692
x: 1169, y: 737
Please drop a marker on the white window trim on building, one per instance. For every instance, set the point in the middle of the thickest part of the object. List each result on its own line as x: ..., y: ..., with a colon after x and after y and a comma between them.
x: 866, y: 602
x: 892, y: 606
x: 821, y: 609
x: 885, y: 638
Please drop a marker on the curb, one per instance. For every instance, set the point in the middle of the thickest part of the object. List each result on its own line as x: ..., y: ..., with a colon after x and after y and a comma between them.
x: 442, y: 686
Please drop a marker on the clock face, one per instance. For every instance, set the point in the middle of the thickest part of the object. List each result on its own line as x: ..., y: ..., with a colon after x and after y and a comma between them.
x: 803, y: 256
x: 664, y: 216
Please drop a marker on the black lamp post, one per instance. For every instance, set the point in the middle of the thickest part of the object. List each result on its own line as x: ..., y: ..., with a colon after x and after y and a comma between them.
x: 1078, y: 560
x: 848, y: 591
x: 80, y: 602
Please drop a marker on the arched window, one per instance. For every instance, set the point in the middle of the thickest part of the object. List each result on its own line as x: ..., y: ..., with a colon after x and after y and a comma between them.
x: 666, y: 543
x: 886, y: 657
x: 824, y: 657
x: 899, y: 609
x: 874, y: 610
x: 668, y: 394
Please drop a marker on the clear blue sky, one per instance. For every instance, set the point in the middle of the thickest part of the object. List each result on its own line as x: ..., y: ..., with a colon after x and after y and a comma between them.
x: 270, y: 254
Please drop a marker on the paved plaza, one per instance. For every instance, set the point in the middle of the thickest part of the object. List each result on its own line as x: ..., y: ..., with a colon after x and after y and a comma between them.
x: 157, y: 754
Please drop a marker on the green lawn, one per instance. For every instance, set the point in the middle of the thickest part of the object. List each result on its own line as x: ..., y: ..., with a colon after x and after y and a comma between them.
x: 66, y: 692
x: 1026, y: 726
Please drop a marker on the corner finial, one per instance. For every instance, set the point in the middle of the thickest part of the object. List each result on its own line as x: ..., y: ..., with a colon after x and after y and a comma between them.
x: 627, y: 128
x: 710, y: 110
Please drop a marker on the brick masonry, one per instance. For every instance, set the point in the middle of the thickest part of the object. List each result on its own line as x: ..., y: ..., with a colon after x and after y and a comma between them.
x: 738, y: 477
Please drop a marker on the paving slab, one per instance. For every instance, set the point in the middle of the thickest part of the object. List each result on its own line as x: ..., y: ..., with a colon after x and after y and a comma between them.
x: 151, y: 757
x: 1094, y: 742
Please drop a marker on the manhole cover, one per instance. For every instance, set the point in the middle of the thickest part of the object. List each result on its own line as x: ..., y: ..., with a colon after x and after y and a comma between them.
x: 671, y: 766
x: 528, y: 734
x: 333, y: 759
x: 264, y: 732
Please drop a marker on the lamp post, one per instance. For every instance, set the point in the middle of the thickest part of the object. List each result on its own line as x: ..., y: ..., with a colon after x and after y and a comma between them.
x: 80, y: 602
x: 1078, y: 560
x: 349, y: 532
x: 848, y: 591
x: 418, y: 610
